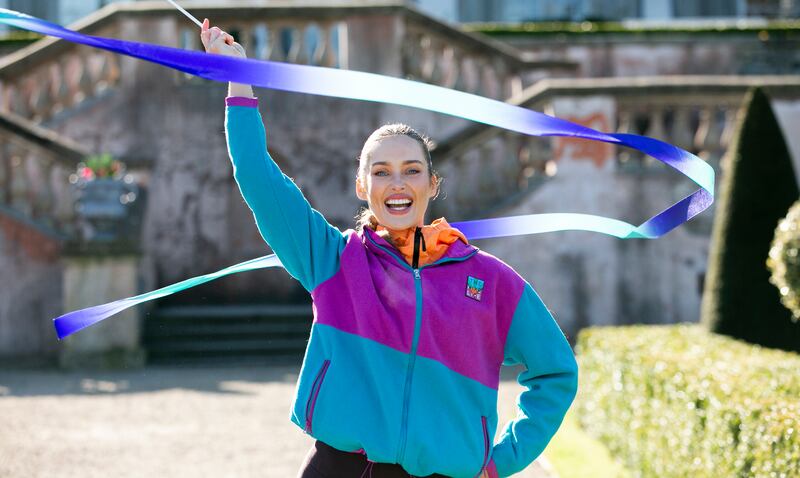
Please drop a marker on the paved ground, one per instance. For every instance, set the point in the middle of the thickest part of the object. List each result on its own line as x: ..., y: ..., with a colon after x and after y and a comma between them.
x: 228, y: 421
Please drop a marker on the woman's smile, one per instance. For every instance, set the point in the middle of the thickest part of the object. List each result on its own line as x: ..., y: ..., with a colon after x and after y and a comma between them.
x: 398, y: 204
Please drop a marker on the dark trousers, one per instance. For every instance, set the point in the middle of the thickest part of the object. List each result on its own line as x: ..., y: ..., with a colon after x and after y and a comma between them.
x: 324, y: 461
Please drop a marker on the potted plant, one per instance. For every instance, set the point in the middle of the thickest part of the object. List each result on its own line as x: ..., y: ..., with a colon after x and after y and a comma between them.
x: 105, y: 193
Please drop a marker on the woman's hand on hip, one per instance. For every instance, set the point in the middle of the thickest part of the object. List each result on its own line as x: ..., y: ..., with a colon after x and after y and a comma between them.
x: 217, y: 41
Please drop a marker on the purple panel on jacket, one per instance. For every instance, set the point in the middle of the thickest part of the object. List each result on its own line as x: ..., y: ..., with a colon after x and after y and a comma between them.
x: 466, y: 334
x: 373, y: 295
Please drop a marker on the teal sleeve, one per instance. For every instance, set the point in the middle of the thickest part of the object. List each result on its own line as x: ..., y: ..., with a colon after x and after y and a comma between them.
x: 306, y: 244
x: 551, y: 383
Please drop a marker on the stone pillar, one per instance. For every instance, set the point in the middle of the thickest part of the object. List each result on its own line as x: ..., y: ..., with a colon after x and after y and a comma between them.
x: 115, y: 342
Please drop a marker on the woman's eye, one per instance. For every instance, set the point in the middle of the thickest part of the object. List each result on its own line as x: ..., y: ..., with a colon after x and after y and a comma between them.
x: 380, y: 173
x: 413, y: 171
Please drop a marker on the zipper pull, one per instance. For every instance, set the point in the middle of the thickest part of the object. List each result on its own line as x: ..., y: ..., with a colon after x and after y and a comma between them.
x: 416, y: 273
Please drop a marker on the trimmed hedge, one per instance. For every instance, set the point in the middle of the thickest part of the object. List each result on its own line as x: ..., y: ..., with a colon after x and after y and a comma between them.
x: 678, y: 401
x: 16, y: 36
x: 779, y: 28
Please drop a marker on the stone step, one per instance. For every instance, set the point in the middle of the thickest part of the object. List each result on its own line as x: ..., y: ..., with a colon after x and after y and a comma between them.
x: 192, y: 312
x: 204, y: 335
x: 225, y: 361
x: 158, y: 330
x: 209, y: 345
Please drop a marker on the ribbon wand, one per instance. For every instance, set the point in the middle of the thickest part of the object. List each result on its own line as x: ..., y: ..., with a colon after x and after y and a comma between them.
x: 195, y: 20
x: 189, y: 15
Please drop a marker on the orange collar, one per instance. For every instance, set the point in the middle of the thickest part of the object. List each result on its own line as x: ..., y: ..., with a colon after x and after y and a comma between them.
x: 438, y: 236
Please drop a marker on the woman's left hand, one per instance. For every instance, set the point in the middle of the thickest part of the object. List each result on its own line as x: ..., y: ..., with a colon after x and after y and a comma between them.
x: 217, y: 41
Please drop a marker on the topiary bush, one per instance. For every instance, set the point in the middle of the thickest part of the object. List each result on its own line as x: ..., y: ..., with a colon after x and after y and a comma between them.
x: 784, y: 260
x: 758, y: 186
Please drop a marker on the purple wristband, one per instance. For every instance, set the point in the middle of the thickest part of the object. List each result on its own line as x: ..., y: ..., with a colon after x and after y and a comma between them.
x: 241, y: 101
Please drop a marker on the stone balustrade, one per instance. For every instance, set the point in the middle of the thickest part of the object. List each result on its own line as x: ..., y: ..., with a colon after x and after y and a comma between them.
x: 43, y: 79
x: 47, y: 88
x: 435, y: 54
x: 702, y: 125
x: 430, y: 51
x: 696, y: 114
x: 308, y: 41
x: 35, y: 174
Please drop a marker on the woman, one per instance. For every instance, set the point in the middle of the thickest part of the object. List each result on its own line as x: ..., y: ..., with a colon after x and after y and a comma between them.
x: 411, y: 323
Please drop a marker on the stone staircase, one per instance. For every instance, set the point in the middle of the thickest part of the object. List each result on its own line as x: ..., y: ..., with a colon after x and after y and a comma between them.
x: 226, y: 334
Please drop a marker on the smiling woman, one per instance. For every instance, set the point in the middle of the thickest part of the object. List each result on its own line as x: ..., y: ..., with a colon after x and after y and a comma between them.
x: 396, y: 178
x: 411, y: 322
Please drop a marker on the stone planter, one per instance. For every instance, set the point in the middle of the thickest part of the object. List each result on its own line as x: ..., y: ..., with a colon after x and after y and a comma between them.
x: 103, y: 207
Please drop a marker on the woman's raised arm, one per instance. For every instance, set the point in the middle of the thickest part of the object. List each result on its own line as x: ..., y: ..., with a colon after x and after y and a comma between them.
x: 307, y: 245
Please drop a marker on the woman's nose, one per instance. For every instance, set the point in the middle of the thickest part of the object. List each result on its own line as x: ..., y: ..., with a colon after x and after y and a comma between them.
x: 398, y: 183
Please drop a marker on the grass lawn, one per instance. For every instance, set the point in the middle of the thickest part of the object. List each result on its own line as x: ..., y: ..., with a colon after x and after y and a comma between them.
x: 575, y: 454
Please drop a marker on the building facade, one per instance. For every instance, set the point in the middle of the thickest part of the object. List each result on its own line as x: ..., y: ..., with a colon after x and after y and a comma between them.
x: 511, y: 11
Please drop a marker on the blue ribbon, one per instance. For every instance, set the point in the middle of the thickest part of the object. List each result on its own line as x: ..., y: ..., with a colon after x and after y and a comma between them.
x: 371, y: 87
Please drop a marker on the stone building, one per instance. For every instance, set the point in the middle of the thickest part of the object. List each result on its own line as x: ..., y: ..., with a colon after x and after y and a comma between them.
x: 59, y: 101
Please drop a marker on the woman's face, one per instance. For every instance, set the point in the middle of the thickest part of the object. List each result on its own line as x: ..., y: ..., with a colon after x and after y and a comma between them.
x: 396, y: 182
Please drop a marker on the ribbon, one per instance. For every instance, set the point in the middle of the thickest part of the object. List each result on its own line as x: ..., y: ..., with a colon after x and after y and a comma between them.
x: 372, y: 87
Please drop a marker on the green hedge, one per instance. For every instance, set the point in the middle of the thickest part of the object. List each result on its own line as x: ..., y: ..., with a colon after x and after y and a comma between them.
x: 16, y: 36
x: 677, y: 401
x: 779, y: 28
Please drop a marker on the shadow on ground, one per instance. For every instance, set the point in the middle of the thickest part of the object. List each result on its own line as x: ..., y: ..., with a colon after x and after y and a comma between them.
x: 37, y: 380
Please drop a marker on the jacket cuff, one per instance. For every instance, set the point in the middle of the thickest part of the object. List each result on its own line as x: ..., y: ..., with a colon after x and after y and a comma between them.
x: 241, y: 101
x: 491, y: 469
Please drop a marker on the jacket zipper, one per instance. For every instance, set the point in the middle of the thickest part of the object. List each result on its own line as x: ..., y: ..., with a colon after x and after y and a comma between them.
x: 411, y: 361
x: 486, y: 444
x: 418, y: 239
x: 417, y: 329
x: 312, y: 396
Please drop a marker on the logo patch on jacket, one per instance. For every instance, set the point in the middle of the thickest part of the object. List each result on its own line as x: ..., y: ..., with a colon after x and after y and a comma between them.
x: 474, y: 288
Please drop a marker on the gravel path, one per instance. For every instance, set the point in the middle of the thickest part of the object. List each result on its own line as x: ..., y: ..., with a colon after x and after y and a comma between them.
x: 228, y: 421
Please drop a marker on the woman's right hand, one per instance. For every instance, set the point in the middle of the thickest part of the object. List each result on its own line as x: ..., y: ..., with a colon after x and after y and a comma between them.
x: 217, y: 41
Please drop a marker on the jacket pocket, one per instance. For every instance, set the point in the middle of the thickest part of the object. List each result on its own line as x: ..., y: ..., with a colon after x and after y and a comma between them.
x: 312, y: 396
x: 486, y: 444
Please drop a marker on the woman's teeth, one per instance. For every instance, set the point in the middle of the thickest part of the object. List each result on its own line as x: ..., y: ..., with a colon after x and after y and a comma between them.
x: 398, y: 204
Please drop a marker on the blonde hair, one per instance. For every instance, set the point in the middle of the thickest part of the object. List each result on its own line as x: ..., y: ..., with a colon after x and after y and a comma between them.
x: 365, y: 217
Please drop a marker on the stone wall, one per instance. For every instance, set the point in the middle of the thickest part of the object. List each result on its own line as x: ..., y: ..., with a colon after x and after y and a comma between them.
x: 788, y: 115
x: 30, y: 296
x: 112, y: 343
